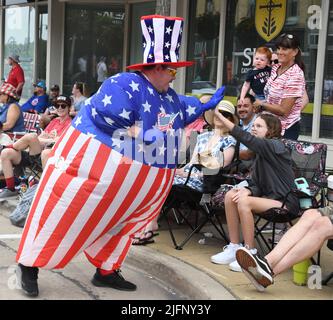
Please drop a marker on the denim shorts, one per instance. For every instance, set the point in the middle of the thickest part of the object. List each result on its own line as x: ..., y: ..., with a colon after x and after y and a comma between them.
x: 327, y: 212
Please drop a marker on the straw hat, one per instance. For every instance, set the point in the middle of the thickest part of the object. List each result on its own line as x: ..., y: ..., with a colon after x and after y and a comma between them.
x: 223, y: 105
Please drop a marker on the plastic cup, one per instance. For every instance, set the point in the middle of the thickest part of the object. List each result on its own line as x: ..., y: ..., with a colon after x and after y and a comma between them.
x: 301, y: 272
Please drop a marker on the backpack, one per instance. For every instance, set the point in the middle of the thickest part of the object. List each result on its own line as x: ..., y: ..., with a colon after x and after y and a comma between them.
x: 19, y: 215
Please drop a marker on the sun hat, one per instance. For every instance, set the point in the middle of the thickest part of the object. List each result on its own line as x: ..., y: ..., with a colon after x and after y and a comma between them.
x: 9, y: 89
x: 161, y: 42
x: 14, y: 57
x: 223, y: 105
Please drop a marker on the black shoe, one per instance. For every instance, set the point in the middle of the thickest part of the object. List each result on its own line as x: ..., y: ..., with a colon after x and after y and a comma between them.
x: 114, y: 280
x: 27, y: 278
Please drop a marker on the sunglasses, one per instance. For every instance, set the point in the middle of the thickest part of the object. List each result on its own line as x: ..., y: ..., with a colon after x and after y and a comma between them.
x: 61, y: 105
x: 172, y: 71
x: 286, y: 35
x: 275, y: 61
x: 226, y: 114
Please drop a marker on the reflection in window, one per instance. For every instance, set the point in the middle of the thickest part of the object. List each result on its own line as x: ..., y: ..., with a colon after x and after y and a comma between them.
x: 203, y: 44
x: 92, y: 32
x: 19, y: 39
x: 242, y: 39
x: 326, y: 122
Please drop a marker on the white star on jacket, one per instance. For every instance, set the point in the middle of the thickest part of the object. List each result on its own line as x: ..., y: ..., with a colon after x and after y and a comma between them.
x: 147, y: 107
x: 125, y: 114
x: 151, y: 91
x: 109, y: 121
x: 94, y: 112
x: 190, y: 110
x: 78, y: 121
x: 107, y: 100
x: 134, y: 86
x: 169, y: 98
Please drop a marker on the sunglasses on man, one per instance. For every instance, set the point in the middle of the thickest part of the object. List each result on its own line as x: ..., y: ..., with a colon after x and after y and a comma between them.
x: 172, y: 71
x: 61, y: 105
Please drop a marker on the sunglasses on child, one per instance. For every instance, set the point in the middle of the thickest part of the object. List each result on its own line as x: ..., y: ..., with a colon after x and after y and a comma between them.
x: 226, y: 114
x: 172, y: 71
x: 61, y: 105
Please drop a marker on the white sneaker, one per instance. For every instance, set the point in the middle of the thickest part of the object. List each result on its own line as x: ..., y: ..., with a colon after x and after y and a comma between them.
x: 228, y: 254
x: 234, y: 266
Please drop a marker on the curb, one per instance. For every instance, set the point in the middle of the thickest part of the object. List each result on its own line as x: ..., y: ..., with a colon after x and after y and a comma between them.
x: 191, y: 282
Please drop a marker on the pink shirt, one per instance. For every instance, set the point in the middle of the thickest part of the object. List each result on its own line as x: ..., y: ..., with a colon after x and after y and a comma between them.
x: 196, y: 125
x: 57, y: 127
x: 290, y: 84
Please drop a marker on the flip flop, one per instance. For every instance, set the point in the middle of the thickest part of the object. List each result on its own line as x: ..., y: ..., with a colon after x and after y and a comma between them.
x: 142, y: 242
x: 149, y: 235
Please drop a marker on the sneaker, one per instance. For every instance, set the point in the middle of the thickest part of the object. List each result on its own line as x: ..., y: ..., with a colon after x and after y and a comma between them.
x: 114, y: 280
x: 27, y: 278
x: 234, y: 266
x: 228, y: 254
x: 7, y: 193
x: 255, y: 268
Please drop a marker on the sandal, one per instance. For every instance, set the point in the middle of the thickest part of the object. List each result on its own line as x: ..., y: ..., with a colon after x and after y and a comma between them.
x: 141, y: 242
x: 149, y: 235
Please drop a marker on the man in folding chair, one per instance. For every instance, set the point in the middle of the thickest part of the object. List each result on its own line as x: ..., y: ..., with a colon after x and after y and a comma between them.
x: 301, y: 242
x: 15, y: 154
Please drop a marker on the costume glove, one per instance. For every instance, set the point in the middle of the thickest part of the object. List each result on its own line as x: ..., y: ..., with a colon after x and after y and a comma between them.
x: 215, y: 99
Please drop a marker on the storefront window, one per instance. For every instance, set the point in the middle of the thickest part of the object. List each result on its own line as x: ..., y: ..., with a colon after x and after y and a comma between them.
x: 19, y: 39
x: 137, y: 11
x: 251, y: 24
x: 92, y: 34
x: 204, y: 25
x: 326, y: 122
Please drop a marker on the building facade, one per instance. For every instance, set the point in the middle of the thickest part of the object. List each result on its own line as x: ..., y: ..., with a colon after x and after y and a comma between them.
x: 63, y: 41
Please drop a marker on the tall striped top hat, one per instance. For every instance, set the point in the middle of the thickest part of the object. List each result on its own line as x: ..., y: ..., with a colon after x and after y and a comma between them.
x: 162, y: 38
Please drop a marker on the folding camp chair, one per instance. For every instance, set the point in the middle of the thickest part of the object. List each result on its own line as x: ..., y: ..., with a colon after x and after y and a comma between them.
x: 330, y: 276
x: 309, y: 162
x: 31, y: 124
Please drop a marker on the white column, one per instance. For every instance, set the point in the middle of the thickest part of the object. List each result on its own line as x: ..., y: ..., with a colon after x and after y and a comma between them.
x: 320, y: 70
x: 55, y: 43
x: 220, y: 62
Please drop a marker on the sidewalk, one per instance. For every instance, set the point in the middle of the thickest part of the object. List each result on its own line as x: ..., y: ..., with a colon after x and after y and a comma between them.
x: 237, y: 284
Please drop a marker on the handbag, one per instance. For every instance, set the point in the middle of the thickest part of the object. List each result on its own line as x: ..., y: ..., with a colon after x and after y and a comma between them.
x: 208, y: 160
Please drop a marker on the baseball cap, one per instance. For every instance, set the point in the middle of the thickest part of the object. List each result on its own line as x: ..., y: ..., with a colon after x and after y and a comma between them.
x: 55, y: 87
x: 41, y: 84
x: 63, y: 99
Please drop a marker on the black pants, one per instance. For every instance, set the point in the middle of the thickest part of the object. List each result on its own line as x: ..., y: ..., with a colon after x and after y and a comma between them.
x: 292, y: 133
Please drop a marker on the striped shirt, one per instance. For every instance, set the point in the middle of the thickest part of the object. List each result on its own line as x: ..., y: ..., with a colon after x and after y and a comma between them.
x: 290, y: 84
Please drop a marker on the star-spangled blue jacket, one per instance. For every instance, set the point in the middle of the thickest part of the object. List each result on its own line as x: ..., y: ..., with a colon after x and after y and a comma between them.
x: 129, y: 99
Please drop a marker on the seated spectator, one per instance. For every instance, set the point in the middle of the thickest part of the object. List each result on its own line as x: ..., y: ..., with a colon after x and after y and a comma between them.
x: 301, y: 242
x: 11, y: 117
x: 212, y: 143
x: 51, y: 112
x: 54, y: 94
x: 79, y: 97
x: 246, y: 114
x: 13, y: 155
x: 272, y: 177
x: 39, y: 101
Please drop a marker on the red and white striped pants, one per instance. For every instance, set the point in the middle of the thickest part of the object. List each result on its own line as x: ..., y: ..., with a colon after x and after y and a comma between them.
x: 92, y: 199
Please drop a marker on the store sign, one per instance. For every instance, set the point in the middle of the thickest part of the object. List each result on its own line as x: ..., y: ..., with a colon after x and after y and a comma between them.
x: 270, y: 18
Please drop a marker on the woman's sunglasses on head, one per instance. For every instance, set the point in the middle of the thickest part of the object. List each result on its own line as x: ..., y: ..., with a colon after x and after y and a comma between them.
x: 286, y: 35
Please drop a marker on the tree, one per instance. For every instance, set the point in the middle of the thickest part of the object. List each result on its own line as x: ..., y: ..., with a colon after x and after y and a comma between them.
x: 163, y: 7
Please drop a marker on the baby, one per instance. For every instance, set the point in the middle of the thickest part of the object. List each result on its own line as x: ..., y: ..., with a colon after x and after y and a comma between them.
x: 257, y: 77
